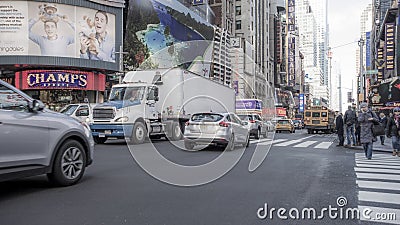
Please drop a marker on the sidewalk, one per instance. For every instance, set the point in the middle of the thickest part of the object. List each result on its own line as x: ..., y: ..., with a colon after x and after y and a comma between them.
x: 377, y: 145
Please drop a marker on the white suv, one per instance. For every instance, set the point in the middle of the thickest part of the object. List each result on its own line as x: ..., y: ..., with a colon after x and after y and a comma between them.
x: 255, y: 124
x: 35, y: 140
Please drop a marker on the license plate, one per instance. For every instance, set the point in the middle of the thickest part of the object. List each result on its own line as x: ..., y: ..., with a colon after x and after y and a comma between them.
x: 107, y: 132
x: 102, y: 135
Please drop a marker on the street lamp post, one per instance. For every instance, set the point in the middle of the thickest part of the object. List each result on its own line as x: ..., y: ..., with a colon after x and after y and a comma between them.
x: 121, y: 63
x: 361, y: 75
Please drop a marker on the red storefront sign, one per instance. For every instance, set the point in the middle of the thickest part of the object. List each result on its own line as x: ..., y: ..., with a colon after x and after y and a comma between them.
x: 280, y: 112
x: 59, y: 79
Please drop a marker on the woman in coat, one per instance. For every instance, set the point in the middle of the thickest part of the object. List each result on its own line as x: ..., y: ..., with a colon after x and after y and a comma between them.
x: 366, y: 118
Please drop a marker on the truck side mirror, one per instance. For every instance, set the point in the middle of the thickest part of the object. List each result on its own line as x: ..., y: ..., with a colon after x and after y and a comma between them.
x: 156, y: 94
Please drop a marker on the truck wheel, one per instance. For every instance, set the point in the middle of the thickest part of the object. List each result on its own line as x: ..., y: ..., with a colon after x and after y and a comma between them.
x: 99, y: 140
x: 176, y: 132
x: 139, y: 134
x: 189, y: 145
x: 69, y: 164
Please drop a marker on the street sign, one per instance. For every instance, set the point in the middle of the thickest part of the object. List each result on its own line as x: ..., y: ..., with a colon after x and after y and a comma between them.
x: 301, y: 105
x: 369, y: 72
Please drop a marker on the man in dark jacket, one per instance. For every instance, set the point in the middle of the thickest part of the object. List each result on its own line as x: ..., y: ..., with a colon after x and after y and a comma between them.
x: 393, y: 129
x: 383, y: 121
x: 367, y: 118
x: 349, y: 121
x: 340, y: 129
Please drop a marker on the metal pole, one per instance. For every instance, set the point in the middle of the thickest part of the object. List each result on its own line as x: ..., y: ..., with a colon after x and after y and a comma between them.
x: 330, y: 78
x: 340, y: 91
x: 361, y: 76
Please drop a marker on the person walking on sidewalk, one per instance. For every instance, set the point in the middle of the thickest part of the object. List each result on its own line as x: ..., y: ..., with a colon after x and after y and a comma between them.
x: 340, y: 129
x: 383, y: 120
x: 350, y: 120
x: 367, y: 118
x: 393, y: 130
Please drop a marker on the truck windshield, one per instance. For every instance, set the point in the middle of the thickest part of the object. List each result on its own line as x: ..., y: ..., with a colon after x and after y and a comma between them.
x: 127, y: 93
x: 69, y: 109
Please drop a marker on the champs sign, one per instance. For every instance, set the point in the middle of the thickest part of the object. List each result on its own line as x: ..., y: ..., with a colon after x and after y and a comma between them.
x: 59, y: 79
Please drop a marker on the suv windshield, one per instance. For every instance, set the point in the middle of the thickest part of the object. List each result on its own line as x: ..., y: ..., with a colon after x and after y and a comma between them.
x: 245, y: 117
x: 206, y: 117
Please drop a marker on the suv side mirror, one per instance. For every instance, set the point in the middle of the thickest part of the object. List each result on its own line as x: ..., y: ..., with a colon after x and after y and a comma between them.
x: 244, y: 123
x: 35, y: 106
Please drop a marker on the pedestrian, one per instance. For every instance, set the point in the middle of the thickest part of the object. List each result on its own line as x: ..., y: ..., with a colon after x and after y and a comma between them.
x: 340, y: 129
x: 367, y: 118
x: 350, y: 120
x: 358, y: 131
x: 383, y: 120
x: 393, y: 130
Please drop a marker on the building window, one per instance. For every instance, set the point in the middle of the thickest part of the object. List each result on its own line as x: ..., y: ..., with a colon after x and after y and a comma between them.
x: 238, y: 24
x: 238, y: 10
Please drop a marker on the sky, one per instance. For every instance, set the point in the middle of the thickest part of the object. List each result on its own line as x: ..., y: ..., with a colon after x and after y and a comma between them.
x: 344, y: 27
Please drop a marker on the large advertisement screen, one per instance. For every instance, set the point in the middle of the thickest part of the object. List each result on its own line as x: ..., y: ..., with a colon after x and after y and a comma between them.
x: 164, y: 34
x: 48, y: 29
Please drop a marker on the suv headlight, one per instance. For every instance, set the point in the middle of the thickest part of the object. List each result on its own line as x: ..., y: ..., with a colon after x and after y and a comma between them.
x: 122, y: 119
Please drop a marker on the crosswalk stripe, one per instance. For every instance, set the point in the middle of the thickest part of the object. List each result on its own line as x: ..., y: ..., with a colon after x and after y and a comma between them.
x: 291, y: 142
x: 386, y: 215
x: 376, y: 170
x: 378, y: 163
x: 304, y: 144
x: 379, y: 160
x: 378, y: 185
x: 378, y: 166
x: 369, y: 196
x: 279, y: 140
x: 378, y: 176
x: 323, y: 145
x: 376, y: 156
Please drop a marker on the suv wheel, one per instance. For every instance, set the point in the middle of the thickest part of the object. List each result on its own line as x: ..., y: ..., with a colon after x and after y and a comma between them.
x: 69, y: 164
x: 258, y: 134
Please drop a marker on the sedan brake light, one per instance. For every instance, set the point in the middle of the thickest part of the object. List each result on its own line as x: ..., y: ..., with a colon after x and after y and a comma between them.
x: 252, y: 121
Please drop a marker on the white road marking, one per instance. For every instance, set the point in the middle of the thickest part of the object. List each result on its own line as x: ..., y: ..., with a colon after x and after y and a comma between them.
x: 369, y: 196
x: 378, y: 176
x: 323, y: 145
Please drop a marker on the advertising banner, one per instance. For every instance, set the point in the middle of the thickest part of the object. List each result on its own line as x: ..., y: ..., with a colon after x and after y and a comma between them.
x: 59, y: 79
x: 291, y: 15
x: 385, y: 93
x: 291, y: 62
x: 389, y: 46
x: 280, y: 112
x: 47, y: 29
x: 368, y: 50
x: 249, y: 104
x: 380, y: 62
x: 165, y: 34
x: 301, y: 104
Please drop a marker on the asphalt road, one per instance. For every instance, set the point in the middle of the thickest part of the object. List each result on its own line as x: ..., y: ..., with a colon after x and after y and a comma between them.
x: 300, y: 171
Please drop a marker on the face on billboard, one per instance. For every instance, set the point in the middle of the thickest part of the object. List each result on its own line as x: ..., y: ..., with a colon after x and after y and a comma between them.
x: 48, y: 29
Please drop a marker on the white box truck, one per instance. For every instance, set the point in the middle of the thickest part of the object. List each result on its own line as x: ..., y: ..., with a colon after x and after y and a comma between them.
x: 157, y: 103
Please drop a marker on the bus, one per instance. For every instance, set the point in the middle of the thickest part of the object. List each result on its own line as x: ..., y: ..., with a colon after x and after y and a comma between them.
x: 319, y: 118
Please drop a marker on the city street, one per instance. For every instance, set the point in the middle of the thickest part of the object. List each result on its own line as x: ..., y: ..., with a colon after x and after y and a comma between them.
x: 300, y: 171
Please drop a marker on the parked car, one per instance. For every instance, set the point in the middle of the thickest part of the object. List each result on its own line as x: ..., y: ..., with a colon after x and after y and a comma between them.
x: 298, y: 124
x: 35, y: 140
x: 285, y: 125
x: 255, y: 124
x: 81, y: 111
x: 221, y: 129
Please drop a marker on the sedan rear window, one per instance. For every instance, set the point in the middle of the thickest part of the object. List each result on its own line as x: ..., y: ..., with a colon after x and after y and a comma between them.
x: 283, y: 121
x: 206, y: 117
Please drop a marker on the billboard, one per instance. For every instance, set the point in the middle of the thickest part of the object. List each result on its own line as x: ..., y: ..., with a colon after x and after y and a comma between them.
x: 368, y: 50
x: 30, y: 28
x: 389, y: 45
x: 249, y: 104
x: 165, y: 34
x: 385, y: 93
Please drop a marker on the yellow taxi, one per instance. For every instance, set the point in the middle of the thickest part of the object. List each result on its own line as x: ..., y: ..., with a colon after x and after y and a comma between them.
x: 285, y: 125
